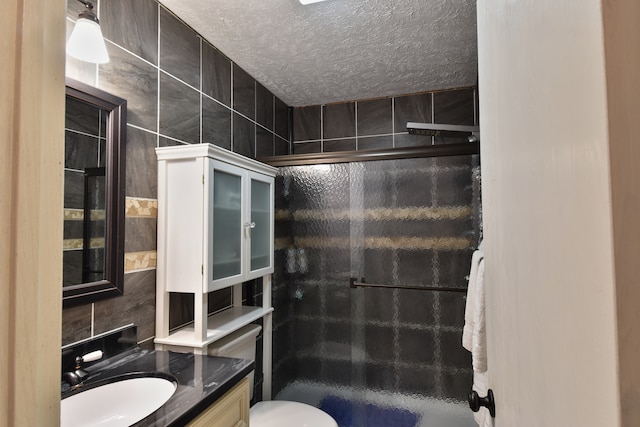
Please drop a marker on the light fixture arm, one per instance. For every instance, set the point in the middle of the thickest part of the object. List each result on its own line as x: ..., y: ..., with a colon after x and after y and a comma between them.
x: 88, y: 12
x: 87, y: 4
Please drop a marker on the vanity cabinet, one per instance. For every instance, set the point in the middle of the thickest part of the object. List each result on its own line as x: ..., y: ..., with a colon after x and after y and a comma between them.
x: 215, y: 231
x: 231, y: 410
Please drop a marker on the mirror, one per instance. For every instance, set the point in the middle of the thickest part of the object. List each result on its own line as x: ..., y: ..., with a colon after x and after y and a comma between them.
x: 94, y: 194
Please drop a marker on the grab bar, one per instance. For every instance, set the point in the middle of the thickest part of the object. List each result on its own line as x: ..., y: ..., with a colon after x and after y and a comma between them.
x: 362, y: 284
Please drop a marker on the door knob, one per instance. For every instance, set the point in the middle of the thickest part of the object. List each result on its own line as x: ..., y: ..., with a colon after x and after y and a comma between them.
x: 475, y: 402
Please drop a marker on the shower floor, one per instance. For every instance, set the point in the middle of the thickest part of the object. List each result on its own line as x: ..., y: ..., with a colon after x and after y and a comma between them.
x: 364, y: 408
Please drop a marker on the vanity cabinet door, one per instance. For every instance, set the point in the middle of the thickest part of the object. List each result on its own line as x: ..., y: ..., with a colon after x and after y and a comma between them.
x: 231, y: 410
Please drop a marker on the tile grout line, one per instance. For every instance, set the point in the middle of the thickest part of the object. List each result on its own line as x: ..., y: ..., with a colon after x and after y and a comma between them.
x: 93, y: 319
x: 393, y: 122
x: 200, y: 93
x: 322, y: 107
x: 158, y: 80
x: 232, y: 105
x: 255, y: 115
x: 433, y: 116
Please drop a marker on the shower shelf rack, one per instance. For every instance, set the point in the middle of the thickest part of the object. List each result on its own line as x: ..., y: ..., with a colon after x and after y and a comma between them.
x: 362, y: 284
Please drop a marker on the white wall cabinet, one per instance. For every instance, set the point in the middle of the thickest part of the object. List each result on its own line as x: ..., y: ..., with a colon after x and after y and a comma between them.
x: 215, y: 218
x: 215, y: 230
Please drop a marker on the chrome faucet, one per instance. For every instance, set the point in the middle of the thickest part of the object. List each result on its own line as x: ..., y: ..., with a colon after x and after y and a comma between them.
x: 78, y: 375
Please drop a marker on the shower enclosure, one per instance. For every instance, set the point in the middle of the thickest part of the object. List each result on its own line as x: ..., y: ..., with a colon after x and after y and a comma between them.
x: 376, y: 356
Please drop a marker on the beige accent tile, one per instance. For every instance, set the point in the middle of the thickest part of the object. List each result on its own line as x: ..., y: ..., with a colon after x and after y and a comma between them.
x: 136, y: 261
x: 137, y: 207
x: 71, y: 244
x: 380, y: 214
x: 323, y: 242
x: 282, y: 243
x: 325, y: 215
x: 418, y: 213
x: 411, y: 243
x: 78, y: 214
x: 98, y: 214
x: 73, y: 214
x: 282, y: 214
x: 417, y: 243
x: 97, y: 242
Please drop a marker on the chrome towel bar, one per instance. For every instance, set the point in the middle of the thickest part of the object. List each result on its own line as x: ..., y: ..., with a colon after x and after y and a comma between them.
x: 362, y: 284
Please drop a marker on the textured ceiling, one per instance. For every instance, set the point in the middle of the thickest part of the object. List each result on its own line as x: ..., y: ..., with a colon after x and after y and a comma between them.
x: 342, y: 50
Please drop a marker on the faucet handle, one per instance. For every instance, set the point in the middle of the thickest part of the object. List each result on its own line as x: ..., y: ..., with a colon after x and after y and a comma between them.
x: 89, y: 357
x: 94, y: 355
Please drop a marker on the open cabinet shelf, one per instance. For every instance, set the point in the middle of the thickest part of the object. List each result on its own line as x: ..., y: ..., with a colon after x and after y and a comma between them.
x: 219, y: 325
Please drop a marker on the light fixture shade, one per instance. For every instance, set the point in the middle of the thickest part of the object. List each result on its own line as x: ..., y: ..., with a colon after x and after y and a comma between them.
x: 86, y: 42
x: 309, y: 1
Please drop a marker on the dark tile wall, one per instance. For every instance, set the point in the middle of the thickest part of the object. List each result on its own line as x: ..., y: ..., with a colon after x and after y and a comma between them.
x: 411, y: 222
x: 179, y: 90
x: 381, y: 123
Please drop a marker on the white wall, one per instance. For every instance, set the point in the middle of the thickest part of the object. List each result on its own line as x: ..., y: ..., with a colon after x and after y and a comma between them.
x: 547, y: 209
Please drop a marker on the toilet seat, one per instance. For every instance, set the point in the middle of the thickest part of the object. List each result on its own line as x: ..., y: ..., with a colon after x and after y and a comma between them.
x: 280, y: 413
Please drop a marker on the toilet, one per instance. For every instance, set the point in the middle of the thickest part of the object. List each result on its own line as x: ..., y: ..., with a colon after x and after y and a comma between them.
x: 274, y: 413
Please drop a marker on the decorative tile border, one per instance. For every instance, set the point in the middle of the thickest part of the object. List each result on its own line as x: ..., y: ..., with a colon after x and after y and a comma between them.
x: 418, y: 213
x: 74, y: 244
x: 282, y: 243
x: 379, y: 214
x: 137, y: 207
x: 71, y: 214
x: 282, y: 214
x: 402, y: 242
x: 140, y: 261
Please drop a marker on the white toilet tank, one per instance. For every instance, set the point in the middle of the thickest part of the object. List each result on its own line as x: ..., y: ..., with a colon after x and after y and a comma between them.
x: 240, y: 344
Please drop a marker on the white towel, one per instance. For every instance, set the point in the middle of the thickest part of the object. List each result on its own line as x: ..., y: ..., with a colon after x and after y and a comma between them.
x: 467, y: 331
x: 474, y: 309
x: 479, y: 336
x: 474, y: 336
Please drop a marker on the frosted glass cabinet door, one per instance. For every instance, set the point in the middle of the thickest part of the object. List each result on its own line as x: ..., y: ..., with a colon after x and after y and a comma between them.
x: 227, y: 223
x: 261, y: 223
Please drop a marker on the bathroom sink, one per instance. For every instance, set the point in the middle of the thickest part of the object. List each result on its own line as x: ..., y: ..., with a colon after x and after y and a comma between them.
x: 118, y: 403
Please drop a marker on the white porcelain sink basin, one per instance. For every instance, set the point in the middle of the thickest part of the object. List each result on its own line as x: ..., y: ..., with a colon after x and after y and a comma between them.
x: 120, y: 403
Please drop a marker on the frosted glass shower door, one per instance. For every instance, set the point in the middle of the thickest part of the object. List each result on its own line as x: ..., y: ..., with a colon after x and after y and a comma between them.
x: 377, y: 355
x: 226, y: 224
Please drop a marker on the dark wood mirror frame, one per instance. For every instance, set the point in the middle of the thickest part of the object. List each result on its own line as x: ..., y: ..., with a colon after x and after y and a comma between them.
x: 113, y: 283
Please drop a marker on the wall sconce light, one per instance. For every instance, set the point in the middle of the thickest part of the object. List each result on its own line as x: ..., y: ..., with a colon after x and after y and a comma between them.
x: 86, y: 42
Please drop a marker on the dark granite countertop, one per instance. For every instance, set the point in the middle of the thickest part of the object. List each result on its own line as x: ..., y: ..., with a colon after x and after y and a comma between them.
x: 201, y: 380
